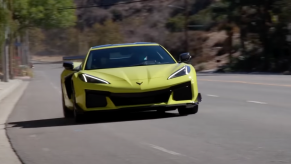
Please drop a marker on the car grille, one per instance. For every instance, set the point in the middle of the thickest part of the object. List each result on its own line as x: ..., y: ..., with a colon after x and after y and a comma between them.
x: 141, y: 98
x: 97, y: 98
x: 183, y: 92
x: 94, y: 100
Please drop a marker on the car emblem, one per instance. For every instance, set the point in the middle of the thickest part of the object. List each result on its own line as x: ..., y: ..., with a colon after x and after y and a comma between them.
x: 139, y: 83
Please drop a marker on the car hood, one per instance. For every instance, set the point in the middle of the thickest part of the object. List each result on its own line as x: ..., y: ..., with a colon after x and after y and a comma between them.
x: 135, y: 73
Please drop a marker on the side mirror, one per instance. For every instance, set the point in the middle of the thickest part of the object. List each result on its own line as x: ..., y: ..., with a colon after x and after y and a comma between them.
x: 68, y: 65
x: 184, y: 57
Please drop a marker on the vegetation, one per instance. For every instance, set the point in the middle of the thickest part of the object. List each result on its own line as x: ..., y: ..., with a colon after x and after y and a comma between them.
x: 21, y: 16
x: 260, y: 25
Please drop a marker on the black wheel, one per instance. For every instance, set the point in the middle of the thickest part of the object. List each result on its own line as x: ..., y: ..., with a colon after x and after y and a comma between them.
x: 161, y: 111
x: 79, y: 117
x: 66, y: 111
x: 183, y: 111
x: 186, y: 111
x: 194, y: 110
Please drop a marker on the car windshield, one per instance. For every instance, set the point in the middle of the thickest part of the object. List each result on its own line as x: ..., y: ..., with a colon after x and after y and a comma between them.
x: 128, y: 57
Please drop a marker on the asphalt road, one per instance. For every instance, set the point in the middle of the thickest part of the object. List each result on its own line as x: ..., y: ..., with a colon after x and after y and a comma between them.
x: 243, y: 119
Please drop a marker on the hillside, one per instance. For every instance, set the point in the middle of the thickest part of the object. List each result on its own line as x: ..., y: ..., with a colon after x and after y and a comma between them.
x: 134, y: 22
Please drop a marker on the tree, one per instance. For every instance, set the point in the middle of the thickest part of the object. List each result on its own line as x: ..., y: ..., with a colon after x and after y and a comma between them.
x: 5, y: 23
x: 266, y: 19
x: 43, y: 14
x: 20, y: 15
x: 108, y: 33
x: 37, y: 39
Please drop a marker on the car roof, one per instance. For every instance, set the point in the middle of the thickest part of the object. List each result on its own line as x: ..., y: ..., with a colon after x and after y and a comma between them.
x: 123, y: 44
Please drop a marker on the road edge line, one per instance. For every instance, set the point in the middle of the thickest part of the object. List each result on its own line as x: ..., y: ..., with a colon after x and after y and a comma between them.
x: 11, y: 155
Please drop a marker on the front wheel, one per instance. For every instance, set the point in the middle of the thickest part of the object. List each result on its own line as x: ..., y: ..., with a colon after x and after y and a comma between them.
x: 186, y: 111
x: 67, y: 112
x: 161, y: 111
x: 78, y: 117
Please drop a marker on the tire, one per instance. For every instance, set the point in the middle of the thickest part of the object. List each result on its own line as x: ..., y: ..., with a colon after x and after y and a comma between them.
x: 67, y: 112
x: 186, y: 111
x: 161, y: 111
x: 78, y: 117
x: 194, y: 110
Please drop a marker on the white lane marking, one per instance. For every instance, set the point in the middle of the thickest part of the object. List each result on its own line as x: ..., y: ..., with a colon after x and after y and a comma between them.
x: 164, y: 150
x: 257, y: 102
x: 212, y: 95
x: 51, y: 83
x: 56, y: 88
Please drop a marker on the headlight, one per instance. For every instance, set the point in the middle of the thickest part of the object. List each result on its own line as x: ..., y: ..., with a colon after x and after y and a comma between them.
x: 181, y: 72
x: 92, y: 79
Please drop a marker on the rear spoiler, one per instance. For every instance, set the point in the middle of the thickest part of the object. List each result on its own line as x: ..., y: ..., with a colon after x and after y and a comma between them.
x: 66, y: 58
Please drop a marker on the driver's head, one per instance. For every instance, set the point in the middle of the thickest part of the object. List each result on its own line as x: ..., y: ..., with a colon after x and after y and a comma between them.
x: 138, y: 58
x: 104, y: 59
x: 100, y: 60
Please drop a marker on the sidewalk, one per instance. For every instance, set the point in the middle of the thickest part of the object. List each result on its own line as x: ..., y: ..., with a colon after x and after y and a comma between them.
x: 10, y: 92
x: 7, y: 88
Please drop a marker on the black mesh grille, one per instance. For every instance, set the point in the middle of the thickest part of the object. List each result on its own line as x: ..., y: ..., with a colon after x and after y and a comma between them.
x: 183, y: 92
x: 94, y: 100
x: 141, y: 98
x: 98, y: 98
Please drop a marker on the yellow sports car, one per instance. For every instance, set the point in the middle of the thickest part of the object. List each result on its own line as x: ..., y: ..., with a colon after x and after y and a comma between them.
x: 133, y: 76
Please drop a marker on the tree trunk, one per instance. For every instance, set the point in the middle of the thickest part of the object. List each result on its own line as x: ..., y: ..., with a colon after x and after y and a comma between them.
x: 230, y: 35
x: 11, y: 57
x: 28, y: 57
x: 264, y: 36
x: 186, y: 25
x: 243, y: 34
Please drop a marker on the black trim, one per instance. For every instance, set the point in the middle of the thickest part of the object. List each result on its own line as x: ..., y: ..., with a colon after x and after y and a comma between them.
x: 199, y: 98
x: 154, y: 107
x: 140, y: 98
x: 148, y: 108
x: 184, y: 92
x: 139, y: 94
x: 128, y: 95
x: 95, y: 100
x: 152, y: 97
x: 68, y: 65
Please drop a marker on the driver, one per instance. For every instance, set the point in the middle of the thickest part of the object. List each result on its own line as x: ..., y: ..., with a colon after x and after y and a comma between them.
x: 100, y: 61
x: 139, y: 58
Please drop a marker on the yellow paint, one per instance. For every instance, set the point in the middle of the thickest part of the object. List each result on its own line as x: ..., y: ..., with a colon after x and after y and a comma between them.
x: 123, y: 80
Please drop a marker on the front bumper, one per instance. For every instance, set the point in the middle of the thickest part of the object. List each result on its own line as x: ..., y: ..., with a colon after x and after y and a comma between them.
x: 145, y: 107
x: 183, y: 94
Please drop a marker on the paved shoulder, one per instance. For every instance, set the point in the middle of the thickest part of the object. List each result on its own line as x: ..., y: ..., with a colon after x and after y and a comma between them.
x: 9, y: 94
